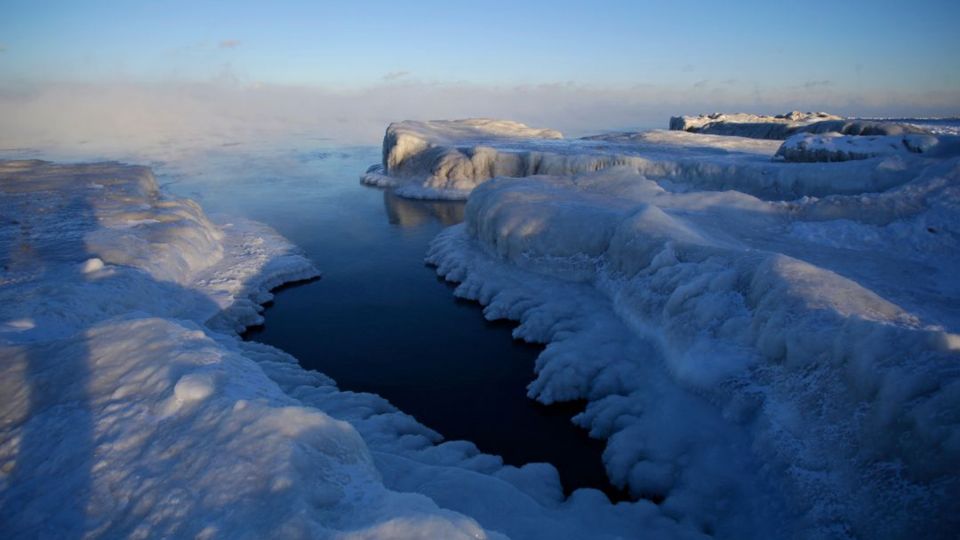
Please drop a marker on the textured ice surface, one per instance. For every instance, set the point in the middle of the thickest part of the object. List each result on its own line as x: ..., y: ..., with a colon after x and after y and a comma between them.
x: 751, y: 361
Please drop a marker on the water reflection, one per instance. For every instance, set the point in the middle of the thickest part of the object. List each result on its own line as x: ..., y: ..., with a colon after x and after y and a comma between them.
x: 413, y: 213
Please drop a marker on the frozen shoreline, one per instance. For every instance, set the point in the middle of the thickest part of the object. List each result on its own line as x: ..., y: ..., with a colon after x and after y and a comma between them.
x: 122, y: 342
x: 783, y: 332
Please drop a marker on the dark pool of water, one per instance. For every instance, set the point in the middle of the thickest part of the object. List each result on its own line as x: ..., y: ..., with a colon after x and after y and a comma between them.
x: 380, y: 320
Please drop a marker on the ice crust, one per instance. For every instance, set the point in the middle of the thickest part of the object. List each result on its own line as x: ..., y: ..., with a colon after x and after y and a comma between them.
x: 129, y: 407
x: 752, y: 359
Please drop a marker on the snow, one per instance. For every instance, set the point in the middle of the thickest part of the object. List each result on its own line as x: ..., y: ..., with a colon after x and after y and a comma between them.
x: 129, y: 407
x: 768, y: 366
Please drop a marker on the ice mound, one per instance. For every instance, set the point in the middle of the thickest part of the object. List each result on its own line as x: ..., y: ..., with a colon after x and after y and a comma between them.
x: 750, y: 361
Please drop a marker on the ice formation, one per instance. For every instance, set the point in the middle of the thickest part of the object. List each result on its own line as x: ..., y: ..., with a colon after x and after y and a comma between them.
x: 837, y: 147
x: 129, y: 407
x: 448, y: 159
x: 750, y: 358
x: 786, y: 125
x: 709, y: 121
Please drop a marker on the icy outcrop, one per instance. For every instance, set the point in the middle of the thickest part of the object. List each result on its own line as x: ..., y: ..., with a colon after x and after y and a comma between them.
x: 123, y: 415
x: 750, y: 361
x: 705, y: 121
x: 784, y: 126
x: 457, y: 160
x: 806, y: 147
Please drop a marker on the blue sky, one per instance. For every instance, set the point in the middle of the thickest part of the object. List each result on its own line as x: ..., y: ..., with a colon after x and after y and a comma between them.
x: 844, y: 44
x: 348, y: 68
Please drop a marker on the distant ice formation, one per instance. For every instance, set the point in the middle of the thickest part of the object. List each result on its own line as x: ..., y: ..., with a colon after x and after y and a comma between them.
x: 448, y: 159
x: 836, y: 147
x: 783, y: 126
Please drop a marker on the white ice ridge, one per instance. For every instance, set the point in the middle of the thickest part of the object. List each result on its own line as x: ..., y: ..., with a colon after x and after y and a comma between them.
x: 771, y: 368
x: 448, y: 159
x: 129, y: 407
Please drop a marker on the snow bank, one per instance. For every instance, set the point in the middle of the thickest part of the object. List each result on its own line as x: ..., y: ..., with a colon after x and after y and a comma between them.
x: 752, y: 362
x: 444, y: 160
x: 130, y: 408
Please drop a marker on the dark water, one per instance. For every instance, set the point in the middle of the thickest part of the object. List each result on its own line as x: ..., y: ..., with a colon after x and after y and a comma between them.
x: 380, y: 320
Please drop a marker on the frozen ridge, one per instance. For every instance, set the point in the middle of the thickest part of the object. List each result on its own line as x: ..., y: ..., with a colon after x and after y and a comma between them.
x: 129, y: 407
x: 757, y: 362
x: 448, y: 159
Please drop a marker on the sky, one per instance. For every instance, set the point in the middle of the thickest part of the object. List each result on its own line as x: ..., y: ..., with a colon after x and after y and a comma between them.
x: 577, y: 64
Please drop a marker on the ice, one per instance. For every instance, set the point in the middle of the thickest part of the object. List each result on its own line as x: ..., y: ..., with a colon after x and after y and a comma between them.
x: 784, y: 126
x: 837, y: 147
x: 124, y: 414
x: 759, y: 126
x: 129, y: 407
x: 447, y: 160
x: 750, y: 360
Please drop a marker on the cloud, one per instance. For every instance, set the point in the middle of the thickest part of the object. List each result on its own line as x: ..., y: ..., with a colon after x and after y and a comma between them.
x: 229, y: 44
x: 394, y: 75
x: 700, y: 85
x: 3, y: 49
